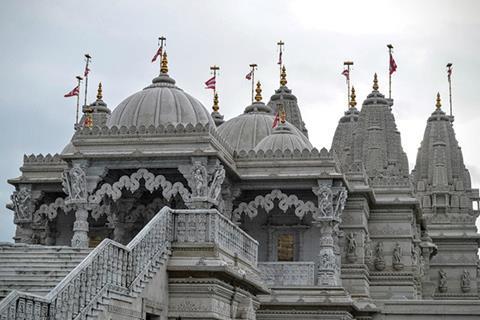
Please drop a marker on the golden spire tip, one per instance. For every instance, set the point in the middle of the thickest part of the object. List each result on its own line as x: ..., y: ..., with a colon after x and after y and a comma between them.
x: 439, y: 101
x: 353, y: 103
x: 164, y: 64
x: 375, y: 82
x: 99, y: 91
x: 283, y: 76
x: 258, y: 90
x: 215, y: 103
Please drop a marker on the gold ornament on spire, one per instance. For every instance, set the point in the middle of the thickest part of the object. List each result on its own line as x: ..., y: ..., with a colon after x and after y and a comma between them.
x: 215, y: 103
x: 375, y: 82
x: 99, y: 91
x: 439, y: 101
x: 258, y: 90
x: 353, y: 103
x: 283, y: 76
x: 164, y: 64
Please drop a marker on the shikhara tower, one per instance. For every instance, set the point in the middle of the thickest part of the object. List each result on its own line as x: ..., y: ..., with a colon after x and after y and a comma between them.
x: 186, y: 216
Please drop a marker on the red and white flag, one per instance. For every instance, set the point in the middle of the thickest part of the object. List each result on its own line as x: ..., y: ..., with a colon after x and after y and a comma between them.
x: 249, y: 75
x: 346, y: 73
x: 211, y: 83
x: 75, y: 91
x: 157, y: 54
x: 86, y: 72
x: 393, y: 65
x: 275, y: 120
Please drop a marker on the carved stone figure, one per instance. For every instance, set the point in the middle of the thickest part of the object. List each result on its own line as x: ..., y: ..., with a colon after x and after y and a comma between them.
x: 442, y: 281
x: 397, y: 257
x: 325, y: 203
x: 75, y: 184
x: 465, y: 281
x: 368, y: 251
x: 199, y: 175
x: 23, y: 205
x: 216, y: 184
x: 379, y: 257
x: 351, y: 247
x: 414, y: 256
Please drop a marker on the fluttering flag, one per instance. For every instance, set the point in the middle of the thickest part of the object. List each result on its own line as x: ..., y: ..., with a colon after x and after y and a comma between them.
x: 211, y: 83
x: 346, y: 73
x: 249, y: 75
x: 75, y: 91
x: 86, y: 72
x: 275, y: 120
x: 157, y: 54
x: 280, y: 58
x: 393, y: 65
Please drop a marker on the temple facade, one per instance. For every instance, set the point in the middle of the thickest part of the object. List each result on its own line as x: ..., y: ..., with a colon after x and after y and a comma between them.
x: 160, y: 209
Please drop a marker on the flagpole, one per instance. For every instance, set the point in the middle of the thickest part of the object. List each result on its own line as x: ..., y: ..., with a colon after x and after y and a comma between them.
x: 79, y: 80
x: 214, y: 68
x: 88, y: 57
x: 161, y: 41
x: 253, y: 66
x: 390, y: 47
x: 348, y: 64
x: 280, y: 62
x: 449, y: 73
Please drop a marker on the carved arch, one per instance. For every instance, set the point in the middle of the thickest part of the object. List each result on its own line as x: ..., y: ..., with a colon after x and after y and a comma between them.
x: 50, y: 210
x: 266, y: 202
x: 132, y: 184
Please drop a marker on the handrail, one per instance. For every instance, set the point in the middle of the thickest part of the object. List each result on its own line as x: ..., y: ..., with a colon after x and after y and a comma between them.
x: 110, y: 264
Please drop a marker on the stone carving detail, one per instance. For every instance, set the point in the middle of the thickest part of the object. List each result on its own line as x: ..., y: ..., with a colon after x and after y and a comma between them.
x: 80, y: 228
x: 75, y: 184
x: 397, y: 257
x: 266, y: 202
x: 442, y: 281
x: 465, y: 281
x: 198, y: 181
x: 288, y: 273
x: 217, y: 181
x: 351, y: 247
x: 368, y: 251
x: 132, y: 184
x: 50, y: 210
x: 379, y: 257
x: 23, y: 205
x: 327, y: 206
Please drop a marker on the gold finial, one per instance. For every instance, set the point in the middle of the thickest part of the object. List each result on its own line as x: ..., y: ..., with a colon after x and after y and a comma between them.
x: 258, y: 90
x: 164, y: 64
x: 215, y: 103
x: 439, y: 101
x: 283, y: 76
x: 99, y: 91
x: 353, y: 103
x: 375, y: 82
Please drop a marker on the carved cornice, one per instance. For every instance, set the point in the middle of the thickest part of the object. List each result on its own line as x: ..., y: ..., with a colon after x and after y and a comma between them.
x: 323, y: 154
x: 41, y: 159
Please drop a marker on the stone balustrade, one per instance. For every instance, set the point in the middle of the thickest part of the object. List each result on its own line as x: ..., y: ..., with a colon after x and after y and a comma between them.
x: 209, y: 226
x: 279, y: 274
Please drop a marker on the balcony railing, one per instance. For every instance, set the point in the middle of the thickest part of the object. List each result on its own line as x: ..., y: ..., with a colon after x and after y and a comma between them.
x: 280, y: 274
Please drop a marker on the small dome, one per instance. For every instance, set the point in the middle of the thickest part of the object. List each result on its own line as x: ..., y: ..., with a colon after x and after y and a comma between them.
x: 245, y: 131
x: 283, y: 138
x: 160, y: 103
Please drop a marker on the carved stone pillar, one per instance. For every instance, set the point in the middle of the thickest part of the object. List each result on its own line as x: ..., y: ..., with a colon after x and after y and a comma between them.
x: 23, y: 207
x: 428, y: 251
x: 328, y: 266
x: 75, y: 186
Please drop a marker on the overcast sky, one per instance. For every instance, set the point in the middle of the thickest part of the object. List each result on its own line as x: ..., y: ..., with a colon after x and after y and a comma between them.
x: 43, y: 43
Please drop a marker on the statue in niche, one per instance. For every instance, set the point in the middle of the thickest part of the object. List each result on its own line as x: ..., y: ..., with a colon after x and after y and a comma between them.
x: 368, y: 251
x: 23, y: 205
x: 442, y: 281
x: 422, y: 267
x: 397, y: 257
x: 465, y: 281
x: 75, y: 184
x: 414, y: 255
x: 379, y: 259
x: 217, y: 181
x: 351, y: 247
x: 199, y: 175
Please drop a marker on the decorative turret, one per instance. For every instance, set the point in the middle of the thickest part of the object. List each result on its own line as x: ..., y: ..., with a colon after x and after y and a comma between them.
x: 343, y: 139
x: 284, y: 96
x: 97, y: 113
x: 376, y: 141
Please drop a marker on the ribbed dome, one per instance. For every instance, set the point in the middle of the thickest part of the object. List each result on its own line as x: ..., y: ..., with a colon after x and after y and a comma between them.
x: 160, y: 103
x: 245, y: 131
x: 282, y: 138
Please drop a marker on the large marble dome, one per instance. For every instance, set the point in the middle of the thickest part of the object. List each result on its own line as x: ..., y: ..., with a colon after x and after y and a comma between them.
x: 160, y: 103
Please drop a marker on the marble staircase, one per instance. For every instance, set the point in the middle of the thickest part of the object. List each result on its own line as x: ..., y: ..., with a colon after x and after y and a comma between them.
x: 36, y: 269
